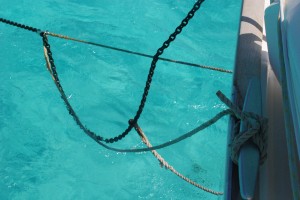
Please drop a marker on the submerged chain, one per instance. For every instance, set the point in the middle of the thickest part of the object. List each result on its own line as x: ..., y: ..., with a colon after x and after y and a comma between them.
x: 52, y: 69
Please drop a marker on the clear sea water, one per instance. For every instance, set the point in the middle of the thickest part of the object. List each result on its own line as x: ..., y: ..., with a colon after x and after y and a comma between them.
x: 44, y: 155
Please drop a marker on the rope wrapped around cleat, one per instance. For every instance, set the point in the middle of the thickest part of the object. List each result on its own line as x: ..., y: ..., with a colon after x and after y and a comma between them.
x: 257, y: 127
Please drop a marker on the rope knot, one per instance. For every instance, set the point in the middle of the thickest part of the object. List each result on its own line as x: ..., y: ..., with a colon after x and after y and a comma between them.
x: 256, y: 130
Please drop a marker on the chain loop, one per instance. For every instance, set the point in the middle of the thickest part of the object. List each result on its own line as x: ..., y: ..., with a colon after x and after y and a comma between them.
x: 52, y: 69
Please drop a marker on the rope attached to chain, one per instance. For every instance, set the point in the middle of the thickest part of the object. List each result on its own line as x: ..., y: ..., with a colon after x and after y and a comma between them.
x: 257, y: 126
x: 155, y: 58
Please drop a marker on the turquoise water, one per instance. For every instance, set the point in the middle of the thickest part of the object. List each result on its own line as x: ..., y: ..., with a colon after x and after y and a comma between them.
x: 44, y: 155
